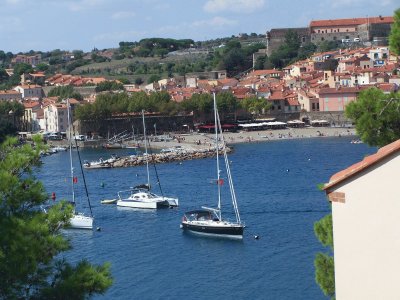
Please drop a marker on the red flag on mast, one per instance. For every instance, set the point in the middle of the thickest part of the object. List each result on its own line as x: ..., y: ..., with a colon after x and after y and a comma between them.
x: 75, y: 179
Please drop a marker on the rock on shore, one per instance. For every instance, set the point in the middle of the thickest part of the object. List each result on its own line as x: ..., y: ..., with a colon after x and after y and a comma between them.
x: 159, y: 158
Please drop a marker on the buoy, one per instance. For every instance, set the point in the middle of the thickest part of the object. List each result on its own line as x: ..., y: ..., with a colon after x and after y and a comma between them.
x: 98, y: 229
x: 102, y: 184
x: 256, y: 237
x: 53, y: 196
x: 287, y: 170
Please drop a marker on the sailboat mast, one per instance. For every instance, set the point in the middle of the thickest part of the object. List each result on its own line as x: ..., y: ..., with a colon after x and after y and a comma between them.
x: 217, y: 155
x: 229, y: 174
x: 145, y: 149
x: 70, y: 150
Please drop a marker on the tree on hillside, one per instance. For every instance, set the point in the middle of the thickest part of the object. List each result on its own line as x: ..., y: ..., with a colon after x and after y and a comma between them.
x: 31, y: 242
x: 109, y: 86
x: 153, y: 78
x: 394, y: 37
x: 324, y: 262
x: 291, y: 50
x: 11, y: 113
x: 64, y: 92
x: 376, y: 116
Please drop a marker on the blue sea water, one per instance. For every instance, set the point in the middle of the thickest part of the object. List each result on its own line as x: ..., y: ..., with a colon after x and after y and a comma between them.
x: 276, y: 186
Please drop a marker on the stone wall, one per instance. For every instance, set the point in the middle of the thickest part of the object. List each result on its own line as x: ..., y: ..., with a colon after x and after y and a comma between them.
x: 334, y: 118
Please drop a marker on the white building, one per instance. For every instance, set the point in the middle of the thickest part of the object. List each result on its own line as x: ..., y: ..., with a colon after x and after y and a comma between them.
x: 366, y: 226
x: 30, y: 90
x: 55, y: 117
x: 10, y: 95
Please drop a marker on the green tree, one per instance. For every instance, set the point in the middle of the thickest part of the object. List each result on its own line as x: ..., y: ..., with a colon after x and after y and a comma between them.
x: 153, y: 78
x: 42, y: 67
x: 138, y: 80
x: 255, y: 105
x: 11, y: 113
x: 226, y: 102
x: 64, y: 92
x: 109, y: 86
x: 324, y: 262
x: 31, y: 266
x: 394, y: 37
x: 376, y: 116
x: 3, y: 75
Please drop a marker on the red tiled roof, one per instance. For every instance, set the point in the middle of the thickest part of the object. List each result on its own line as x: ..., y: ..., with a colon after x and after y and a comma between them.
x: 31, y: 104
x: 362, y: 165
x: 341, y: 90
x: 293, y: 101
x: 351, y: 22
x: 9, y: 92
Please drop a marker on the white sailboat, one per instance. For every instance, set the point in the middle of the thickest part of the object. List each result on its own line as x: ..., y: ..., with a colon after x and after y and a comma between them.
x: 141, y: 196
x: 78, y: 220
x: 209, y: 221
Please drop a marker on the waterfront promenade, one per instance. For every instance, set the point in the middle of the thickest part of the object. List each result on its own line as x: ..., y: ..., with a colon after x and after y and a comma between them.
x: 206, y: 140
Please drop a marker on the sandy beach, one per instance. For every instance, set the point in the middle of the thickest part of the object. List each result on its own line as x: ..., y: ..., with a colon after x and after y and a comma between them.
x: 206, y: 140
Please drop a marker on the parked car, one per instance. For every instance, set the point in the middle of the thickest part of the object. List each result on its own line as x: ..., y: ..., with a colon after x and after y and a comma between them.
x: 80, y: 137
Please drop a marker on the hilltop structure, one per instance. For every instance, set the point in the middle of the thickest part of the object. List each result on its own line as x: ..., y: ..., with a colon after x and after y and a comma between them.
x: 370, y: 29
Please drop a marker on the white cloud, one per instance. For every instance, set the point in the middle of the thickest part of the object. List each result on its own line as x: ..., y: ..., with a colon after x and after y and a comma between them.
x: 123, y: 15
x: 359, y: 3
x: 84, y: 4
x: 238, y: 6
x: 216, y: 21
x: 13, y: 1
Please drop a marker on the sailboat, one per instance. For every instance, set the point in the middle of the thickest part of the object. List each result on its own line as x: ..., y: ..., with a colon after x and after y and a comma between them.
x: 209, y: 221
x: 140, y: 196
x: 78, y: 220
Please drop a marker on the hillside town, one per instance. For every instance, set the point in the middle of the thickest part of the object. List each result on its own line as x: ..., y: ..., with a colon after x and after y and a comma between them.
x: 318, y: 87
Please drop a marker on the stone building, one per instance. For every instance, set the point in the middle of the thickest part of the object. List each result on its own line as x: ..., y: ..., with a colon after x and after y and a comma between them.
x: 276, y: 37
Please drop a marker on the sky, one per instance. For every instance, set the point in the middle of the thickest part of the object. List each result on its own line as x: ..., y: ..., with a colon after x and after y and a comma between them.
x: 45, y: 25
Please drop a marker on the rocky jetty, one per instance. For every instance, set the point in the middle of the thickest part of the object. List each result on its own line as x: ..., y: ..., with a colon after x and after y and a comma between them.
x: 160, y: 158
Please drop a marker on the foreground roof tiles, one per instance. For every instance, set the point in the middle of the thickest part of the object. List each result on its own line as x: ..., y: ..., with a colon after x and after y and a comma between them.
x: 367, y: 162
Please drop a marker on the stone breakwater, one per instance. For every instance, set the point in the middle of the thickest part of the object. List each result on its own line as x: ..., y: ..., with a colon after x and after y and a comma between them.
x: 160, y: 158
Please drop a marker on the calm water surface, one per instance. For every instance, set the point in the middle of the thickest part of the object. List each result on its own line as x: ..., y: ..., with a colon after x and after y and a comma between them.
x: 276, y: 186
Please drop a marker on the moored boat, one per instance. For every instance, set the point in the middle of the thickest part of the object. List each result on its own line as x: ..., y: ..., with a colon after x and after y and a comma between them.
x: 209, y: 221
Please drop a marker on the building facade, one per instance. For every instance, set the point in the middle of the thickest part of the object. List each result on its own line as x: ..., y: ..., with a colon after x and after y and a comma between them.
x: 366, y: 221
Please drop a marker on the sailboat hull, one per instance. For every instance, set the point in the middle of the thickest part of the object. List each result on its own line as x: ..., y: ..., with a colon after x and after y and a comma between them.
x: 142, y: 204
x: 81, y: 222
x: 217, y: 229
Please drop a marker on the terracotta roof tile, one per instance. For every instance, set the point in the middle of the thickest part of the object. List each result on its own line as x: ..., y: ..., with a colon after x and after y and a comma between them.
x: 354, y: 21
x: 367, y: 162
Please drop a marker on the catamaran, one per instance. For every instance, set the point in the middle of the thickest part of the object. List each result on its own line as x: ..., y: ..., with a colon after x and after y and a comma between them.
x: 141, y: 196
